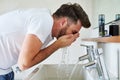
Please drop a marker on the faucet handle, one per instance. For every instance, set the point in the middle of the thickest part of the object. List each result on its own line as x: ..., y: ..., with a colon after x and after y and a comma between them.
x: 84, y: 57
x: 86, y: 45
x: 90, y: 65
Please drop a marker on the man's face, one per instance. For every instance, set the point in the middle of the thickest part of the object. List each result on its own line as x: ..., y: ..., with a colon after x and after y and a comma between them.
x: 70, y: 29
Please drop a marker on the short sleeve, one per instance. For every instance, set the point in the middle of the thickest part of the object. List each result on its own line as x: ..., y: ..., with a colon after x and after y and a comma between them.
x: 40, y: 25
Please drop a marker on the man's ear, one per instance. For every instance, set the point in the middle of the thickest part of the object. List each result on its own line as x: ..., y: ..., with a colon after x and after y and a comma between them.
x: 63, y: 22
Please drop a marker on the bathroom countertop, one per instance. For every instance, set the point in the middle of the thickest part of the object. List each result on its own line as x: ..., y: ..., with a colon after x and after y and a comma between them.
x: 115, y: 39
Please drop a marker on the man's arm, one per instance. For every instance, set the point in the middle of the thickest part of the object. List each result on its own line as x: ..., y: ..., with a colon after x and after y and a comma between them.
x: 32, y: 54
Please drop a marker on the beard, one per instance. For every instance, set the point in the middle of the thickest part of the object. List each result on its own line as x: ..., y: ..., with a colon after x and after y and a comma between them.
x: 62, y: 32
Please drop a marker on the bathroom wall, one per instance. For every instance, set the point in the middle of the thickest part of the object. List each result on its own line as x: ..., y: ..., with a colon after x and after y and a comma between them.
x: 108, y: 7
x: 75, y: 50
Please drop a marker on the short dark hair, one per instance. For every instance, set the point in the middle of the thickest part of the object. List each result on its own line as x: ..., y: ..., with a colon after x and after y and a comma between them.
x: 74, y: 12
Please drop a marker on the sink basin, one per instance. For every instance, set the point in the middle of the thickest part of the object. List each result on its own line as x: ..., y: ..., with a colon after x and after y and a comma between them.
x: 58, y: 72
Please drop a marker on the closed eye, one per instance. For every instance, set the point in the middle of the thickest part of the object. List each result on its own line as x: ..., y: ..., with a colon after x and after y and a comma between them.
x: 74, y: 32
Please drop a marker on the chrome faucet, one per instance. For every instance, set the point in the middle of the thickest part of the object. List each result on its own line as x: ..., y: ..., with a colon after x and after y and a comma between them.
x: 95, y: 61
x: 100, y: 66
x: 89, y: 54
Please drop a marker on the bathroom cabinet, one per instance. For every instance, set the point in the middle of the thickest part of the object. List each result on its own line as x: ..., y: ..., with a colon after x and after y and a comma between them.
x: 111, y: 53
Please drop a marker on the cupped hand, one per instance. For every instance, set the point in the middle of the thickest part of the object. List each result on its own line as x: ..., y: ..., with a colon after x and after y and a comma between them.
x: 67, y: 40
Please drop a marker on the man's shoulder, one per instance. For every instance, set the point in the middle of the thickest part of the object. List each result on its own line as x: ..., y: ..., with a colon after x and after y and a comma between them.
x: 37, y: 10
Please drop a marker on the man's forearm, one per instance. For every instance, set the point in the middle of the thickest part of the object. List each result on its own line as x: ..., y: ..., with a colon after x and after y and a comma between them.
x: 44, y: 53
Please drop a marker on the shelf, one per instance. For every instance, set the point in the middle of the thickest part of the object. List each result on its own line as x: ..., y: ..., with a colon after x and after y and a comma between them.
x: 114, y: 39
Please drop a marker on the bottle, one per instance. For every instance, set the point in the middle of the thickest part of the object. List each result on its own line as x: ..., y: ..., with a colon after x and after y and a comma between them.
x: 101, y: 21
x: 117, y: 17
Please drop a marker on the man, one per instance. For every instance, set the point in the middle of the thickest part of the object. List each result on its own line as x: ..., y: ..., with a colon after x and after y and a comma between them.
x: 24, y: 35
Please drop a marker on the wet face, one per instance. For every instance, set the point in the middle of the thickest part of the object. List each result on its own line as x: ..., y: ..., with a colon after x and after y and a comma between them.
x: 70, y: 29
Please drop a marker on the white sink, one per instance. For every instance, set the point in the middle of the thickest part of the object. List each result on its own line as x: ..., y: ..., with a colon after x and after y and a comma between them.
x: 58, y: 72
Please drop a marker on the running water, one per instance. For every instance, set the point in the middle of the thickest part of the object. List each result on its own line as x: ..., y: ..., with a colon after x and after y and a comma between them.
x: 63, y: 70
x: 74, y: 70
x: 63, y: 67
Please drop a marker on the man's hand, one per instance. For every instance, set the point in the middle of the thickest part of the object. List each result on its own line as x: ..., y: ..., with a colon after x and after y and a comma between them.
x: 67, y: 40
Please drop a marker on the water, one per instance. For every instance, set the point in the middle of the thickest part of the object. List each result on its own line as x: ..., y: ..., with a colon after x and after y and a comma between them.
x: 63, y: 67
x: 73, y: 70
x: 64, y: 71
